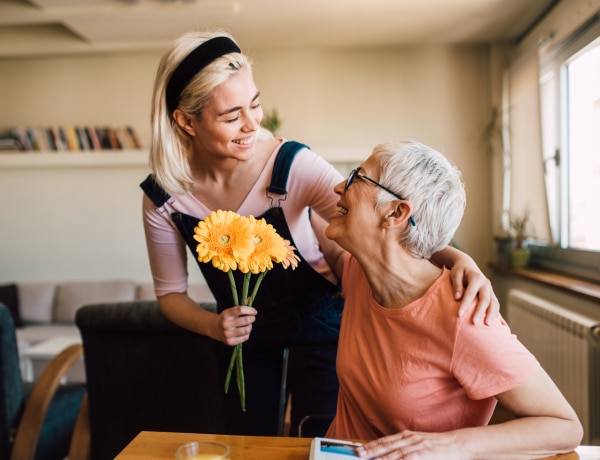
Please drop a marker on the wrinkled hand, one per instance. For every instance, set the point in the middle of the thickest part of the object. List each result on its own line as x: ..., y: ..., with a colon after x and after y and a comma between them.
x: 471, y: 285
x: 414, y: 445
x: 235, y: 324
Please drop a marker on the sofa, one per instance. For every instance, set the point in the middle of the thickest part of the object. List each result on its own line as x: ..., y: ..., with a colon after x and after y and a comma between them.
x: 43, y: 310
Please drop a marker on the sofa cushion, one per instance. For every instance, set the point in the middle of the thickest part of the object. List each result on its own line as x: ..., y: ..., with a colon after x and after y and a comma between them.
x: 36, y: 333
x: 73, y: 295
x: 36, y: 300
x: 9, y: 296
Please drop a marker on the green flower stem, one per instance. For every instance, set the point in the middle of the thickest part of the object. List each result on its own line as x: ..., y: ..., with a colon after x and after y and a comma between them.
x: 256, y: 286
x: 233, y: 287
x: 236, y: 357
x: 230, y: 369
x: 245, y: 288
x: 240, y: 379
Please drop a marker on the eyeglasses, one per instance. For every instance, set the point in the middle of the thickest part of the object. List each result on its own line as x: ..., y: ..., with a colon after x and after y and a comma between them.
x: 355, y: 173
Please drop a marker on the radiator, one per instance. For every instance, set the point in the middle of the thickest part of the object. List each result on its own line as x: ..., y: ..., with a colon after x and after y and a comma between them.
x: 567, y: 344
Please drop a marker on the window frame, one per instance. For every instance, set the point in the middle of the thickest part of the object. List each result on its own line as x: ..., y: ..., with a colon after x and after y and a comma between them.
x: 556, y: 255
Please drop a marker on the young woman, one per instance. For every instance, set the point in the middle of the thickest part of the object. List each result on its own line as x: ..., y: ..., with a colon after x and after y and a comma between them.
x: 209, y: 153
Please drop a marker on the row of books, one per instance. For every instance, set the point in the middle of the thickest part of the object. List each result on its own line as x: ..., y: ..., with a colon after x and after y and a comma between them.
x: 74, y: 138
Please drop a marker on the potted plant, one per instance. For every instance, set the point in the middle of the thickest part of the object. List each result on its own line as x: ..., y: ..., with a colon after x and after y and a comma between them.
x: 271, y: 121
x: 520, y: 253
x: 511, y: 243
x: 505, y: 243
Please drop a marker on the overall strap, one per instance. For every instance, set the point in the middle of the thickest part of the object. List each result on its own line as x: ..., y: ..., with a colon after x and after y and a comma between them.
x: 282, y: 166
x: 154, y: 191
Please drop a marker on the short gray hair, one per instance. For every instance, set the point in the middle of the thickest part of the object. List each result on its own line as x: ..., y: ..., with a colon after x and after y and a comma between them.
x: 432, y: 184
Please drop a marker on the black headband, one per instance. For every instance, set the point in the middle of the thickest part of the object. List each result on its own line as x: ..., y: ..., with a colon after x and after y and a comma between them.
x: 193, y: 63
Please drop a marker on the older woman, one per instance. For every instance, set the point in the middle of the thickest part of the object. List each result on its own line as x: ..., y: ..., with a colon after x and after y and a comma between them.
x: 415, y: 378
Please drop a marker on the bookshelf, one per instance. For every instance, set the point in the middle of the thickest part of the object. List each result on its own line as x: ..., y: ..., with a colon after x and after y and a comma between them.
x: 70, y: 138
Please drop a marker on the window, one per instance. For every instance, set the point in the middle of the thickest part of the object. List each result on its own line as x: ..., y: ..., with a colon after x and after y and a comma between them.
x: 570, y: 104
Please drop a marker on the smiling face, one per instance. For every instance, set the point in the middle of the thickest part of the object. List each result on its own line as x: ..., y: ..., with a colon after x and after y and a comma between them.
x: 230, y: 121
x: 358, y: 219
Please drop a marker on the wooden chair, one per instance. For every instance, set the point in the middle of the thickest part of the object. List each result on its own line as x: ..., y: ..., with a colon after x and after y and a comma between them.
x: 37, y: 419
x: 313, y: 426
x: 310, y: 425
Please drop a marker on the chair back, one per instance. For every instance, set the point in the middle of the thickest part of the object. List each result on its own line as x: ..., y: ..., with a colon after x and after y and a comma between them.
x: 144, y: 373
x: 313, y: 426
x: 12, y: 399
x: 36, y: 418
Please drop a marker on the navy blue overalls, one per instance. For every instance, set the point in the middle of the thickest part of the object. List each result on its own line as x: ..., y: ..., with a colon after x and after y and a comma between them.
x: 295, y: 308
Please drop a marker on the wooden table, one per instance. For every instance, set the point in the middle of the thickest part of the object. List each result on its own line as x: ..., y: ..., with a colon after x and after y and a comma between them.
x: 149, y: 445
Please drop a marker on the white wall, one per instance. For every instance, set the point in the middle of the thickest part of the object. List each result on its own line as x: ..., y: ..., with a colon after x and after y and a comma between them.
x: 72, y: 222
x: 335, y: 100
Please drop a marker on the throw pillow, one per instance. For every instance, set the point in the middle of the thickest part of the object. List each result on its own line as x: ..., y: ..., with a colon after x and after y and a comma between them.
x: 9, y: 296
x: 70, y: 296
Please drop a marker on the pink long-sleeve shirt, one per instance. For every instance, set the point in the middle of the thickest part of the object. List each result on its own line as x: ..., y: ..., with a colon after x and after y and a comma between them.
x: 310, y: 184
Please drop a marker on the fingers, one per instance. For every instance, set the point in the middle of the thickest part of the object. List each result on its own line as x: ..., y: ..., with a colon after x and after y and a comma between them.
x: 409, y: 445
x: 480, y: 291
x: 458, y: 282
x: 479, y: 295
x: 236, y: 324
x: 397, y: 446
x: 493, y: 309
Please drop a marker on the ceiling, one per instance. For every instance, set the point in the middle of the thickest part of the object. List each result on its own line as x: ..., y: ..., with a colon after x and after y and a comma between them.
x: 43, y: 27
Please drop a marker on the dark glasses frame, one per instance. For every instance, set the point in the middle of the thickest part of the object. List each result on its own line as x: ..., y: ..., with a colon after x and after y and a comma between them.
x: 356, y: 173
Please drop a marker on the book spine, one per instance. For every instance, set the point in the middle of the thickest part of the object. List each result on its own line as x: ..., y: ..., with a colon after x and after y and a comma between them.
x: 112, y: 139
x: 35, y: 145
x: 50, y: 139
x: 84, y: 142
x: 21, y: 134
x: 94, y: 138
x: 40, y: 134
x: 134, y: 139
x: 71, y: 135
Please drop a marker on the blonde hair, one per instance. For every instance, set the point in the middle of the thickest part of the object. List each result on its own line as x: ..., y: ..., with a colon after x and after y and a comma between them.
x: 171, y: 146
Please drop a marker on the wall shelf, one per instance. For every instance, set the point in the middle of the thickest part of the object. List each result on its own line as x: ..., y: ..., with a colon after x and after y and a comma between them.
x: 74, y: 159
x: 342, y: 158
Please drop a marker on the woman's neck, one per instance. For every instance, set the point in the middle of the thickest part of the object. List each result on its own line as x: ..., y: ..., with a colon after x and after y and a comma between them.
x: 224, y: 183
x: 397, y: 279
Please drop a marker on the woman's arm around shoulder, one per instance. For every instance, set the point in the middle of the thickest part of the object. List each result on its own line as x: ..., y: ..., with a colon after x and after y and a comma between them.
x: 469, y: 284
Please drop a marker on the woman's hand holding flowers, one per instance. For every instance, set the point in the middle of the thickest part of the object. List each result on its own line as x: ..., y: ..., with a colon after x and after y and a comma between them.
x: 235, y: 324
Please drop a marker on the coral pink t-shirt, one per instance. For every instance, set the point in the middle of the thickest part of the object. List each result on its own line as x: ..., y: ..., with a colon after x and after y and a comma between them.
x: 420, y: 367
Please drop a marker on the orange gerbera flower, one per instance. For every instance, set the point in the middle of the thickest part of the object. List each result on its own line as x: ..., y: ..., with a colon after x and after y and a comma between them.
x: 269, y: 247
x: 291, y: 258
x: 225, y: 239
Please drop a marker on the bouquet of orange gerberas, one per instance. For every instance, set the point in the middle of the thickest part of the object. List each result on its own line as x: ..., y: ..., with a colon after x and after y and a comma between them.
x: 233, y: 242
